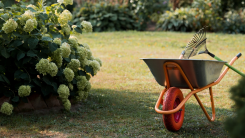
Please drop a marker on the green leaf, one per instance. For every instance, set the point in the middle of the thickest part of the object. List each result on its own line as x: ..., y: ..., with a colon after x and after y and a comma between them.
x: 78, y: 29
x: 74, y: 81
x: 30, y: 53
x: 16, y: 43
x: 46, y: 80
x: 60, y: 72
x: 54, y: 34
x: 17, y: 74
x: 45, y: 38
x: 24, y: 76
x: 31, y: 9
x: 24, y: 99
x: 88, y: 69
x: 27, y: 59
x: 1, y: 5
x: 32, y: 42
x: 5, y: 78
x: 5, y: 53
x: 67, y: 59
x: 37, y: 81
x: 54, y: 86
x: 5, y: 16
x: 20, y: 55
x: 16, y: 99
x: 81, y: 73
x: 7, y: 93
x: 52, y: 46
x: 46, y: 90
x: 43, y: 16
x: 73, y: 56
x: 2, y: 69
x: 1, y: 79
x: 1, y: 22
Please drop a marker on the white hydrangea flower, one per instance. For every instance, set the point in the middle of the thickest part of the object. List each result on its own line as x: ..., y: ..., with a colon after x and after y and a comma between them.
x: 87, y: 26
x: 88, y: 87
x: 70, y: 86
x: 80, y: 96
x: 30, y: 24
x: 7, y: 108
x: 82, y: 53
x: 63, y: 91
x: 64, y: 17
x: 66, y: 50
x: 66, y: 29
x: 57, y: 57
x: 43, y: 66
x: 44, y: 29
x: 10, y: 26
x: 73, y: 26
x: 53, y: 69
x: 60, y: 1
x: 84, y: 62
x: 69, y: 74
x: 68, y: 2
x: 24, y: 17
x: 89, y: 54
x: 57, y: 41
x: 74, y: 41
x: 67, y: 104
x: 98, y: 60
x: 74, y: 65
x: 82, y: 82
x: 24, y: 90
x: 95, y: 65
x: 86, y: 46
x: 85, y: 95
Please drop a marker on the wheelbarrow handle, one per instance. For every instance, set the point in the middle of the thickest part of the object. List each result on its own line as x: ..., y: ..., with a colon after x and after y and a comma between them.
x: 239, y: 55
x: 182, y: 54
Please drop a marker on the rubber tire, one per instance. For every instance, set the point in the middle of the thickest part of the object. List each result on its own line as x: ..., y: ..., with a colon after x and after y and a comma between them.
x: 172, y: 95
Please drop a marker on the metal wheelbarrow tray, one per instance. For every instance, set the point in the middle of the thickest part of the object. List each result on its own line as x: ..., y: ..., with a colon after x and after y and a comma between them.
x: 174, y: 74
x: 199, y: 72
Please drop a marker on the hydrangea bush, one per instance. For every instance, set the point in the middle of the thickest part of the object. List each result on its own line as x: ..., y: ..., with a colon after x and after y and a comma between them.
x: 39, y: 52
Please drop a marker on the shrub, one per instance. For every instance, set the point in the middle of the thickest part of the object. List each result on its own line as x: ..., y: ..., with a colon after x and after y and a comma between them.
x: 107, y: 17
x: 148, y: 9
x: 234, y: 23
x: 235, y: 125
x: 201, y: 13
x: 40, y: 53
x: 182, y: 19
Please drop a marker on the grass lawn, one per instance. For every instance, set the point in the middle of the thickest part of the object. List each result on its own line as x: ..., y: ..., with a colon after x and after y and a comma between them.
x: 121, y: 102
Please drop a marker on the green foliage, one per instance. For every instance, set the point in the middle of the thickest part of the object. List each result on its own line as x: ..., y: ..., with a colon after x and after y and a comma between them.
x: 234, y: 22
x: 35, y: 49
x: 227, y: 5
x: 235, y: 125
x: 182, y: 19
x: 208, y: 13
x: 107, y: 17
x: 146, y: 9
x: 200, y: 13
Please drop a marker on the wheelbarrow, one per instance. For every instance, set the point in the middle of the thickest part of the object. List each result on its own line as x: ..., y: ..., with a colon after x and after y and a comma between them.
x: 176, y: 74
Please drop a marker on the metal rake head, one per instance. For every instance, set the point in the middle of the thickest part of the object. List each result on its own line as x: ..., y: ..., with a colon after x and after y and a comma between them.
x: 197, y: 45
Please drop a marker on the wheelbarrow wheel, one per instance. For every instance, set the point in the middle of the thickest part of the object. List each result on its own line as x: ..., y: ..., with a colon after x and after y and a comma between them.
x: 173, y: 98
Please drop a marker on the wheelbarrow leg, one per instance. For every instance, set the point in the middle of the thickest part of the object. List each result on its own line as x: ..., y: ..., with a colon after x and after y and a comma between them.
x: 212, y: 105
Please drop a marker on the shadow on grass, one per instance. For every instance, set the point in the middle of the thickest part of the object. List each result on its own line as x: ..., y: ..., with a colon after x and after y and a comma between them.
x: 114, y: 113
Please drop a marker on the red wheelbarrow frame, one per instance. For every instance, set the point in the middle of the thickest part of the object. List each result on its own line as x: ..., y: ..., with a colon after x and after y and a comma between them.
x: 193, y: 92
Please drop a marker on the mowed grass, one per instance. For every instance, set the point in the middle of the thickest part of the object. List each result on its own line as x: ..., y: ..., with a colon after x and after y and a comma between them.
x: 124, y: 92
